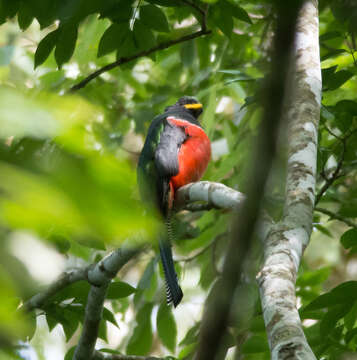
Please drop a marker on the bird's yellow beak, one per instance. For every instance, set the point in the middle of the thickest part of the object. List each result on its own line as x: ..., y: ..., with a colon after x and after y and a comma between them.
x: 193, y: 106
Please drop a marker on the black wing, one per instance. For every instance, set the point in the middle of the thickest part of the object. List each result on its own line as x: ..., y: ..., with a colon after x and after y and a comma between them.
x: 166, y: 160
x: 166, y: 154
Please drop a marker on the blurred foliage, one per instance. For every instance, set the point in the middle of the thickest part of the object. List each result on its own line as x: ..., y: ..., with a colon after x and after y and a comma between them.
x: 67, y: 166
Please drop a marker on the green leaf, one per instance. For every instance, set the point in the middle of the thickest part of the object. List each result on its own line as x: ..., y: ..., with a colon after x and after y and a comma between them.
x: 145, y: 280
x: 9, y: 8
x: 191, y: 335
x: 333, y: 53
x: 349, y: 238
x: 330, y: 35
x: 141, y: 341
x: 118, y: 11
x: 350, y: 319
x: 168, y: 3
x: 128, y: 46
x: 109, y: 316
x: 188, y: 53
x: 312, y: 278
x: 186, y: 351
x: 70, y: 353
x: 166, y: 327
x: 255, y: 344
x: 221, y: 16
x: 45, y: 47
x: 66, y: 315
x: 70, y: 320
x: 78, y: 291
x: 341, y: 294
x: 143, y: 36
x: 324, y: 230
x: 153, y: 17
x: 350, y: 335
x: 346, y: 106
x: 337, y: 79
x: 25, y: 15
x: 102, y: 333
x: 113, y: 38
x: 331, y: 318
x: 238, y: 12
x: 66, y: 43
x: 119, y: 289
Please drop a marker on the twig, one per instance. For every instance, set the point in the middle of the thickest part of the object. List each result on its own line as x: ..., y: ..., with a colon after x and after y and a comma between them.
x: 124, y: 60
x: 100, y: 356
x: 196, y: 255
x: 199, y: 10
x: 334, y: 216
x: 202, y: 251
x: 329, y: 180
x: 65, y: 279
x: 162, y: 46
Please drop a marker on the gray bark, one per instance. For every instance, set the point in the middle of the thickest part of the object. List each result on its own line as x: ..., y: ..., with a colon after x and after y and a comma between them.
x: 287, y: 240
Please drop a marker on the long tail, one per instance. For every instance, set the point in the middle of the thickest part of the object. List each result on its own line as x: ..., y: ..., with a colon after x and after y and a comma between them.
x: 174, y: 293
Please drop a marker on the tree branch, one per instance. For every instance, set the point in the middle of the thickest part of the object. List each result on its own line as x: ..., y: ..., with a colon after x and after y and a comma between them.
x: 65, y: 279
x: 101, y: 276
x: 288, y: 239
x: 100, y: 356
x: 214, y: 195
x: 199, y: 10
x: 334, y: 216
x: 329, y: 180
x: 162, y: 46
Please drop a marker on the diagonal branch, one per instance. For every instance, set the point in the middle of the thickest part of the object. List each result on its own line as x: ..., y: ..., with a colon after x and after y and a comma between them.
x: 101, y: 276
x: 161, y: 46
x: 329, y: 180
x: 65, y: 279
x: 335, y: 216
x: 199, y: 10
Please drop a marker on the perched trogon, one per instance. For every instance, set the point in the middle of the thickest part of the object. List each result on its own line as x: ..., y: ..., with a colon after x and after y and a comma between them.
x: 176, y: 152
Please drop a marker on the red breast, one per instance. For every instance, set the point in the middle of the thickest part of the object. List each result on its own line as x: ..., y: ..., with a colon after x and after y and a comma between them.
x: 194, y: 154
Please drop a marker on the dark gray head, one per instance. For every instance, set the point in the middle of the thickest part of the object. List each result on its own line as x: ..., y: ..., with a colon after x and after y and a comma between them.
x: 193, y: 106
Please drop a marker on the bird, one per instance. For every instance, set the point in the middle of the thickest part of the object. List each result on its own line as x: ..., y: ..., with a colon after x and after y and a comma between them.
x: 176, y: 152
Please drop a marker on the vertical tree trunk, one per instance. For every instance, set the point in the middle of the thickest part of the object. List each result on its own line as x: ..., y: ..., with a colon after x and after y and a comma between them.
x: 288, y: 239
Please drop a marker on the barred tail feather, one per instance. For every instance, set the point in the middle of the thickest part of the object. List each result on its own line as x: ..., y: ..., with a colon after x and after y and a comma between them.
x: 174, y: 293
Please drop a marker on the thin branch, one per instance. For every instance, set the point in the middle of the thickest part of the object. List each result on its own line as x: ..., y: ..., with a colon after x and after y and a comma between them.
x: 100, y: 356
x: 65, y: 279
x: 202, y: 251
x: 196, y: 255
x: 162, y: 46
x: 203, y: 13
x: 334, y: 216
x: 329, y: 180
